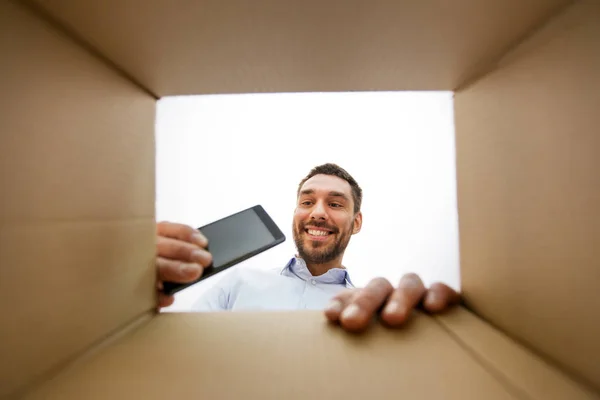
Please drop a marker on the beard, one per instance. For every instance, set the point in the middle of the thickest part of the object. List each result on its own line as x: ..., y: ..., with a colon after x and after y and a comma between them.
x: 320, y: 252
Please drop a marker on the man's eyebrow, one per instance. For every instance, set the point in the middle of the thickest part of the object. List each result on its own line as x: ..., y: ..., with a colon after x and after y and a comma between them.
x: 338, y: 194
x: 333, y: 193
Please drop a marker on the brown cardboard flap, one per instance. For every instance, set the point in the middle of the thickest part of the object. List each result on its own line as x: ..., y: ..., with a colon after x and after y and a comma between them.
x: 529, y: 192
x: 214, y: 46
x: 511, y: 362
x: 77, y: 225
x: 275, y: 355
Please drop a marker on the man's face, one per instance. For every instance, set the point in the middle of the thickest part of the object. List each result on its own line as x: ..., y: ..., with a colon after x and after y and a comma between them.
x: 324, y: 219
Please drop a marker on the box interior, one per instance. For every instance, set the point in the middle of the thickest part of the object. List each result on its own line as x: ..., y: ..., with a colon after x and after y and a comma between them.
x: 77, y: 224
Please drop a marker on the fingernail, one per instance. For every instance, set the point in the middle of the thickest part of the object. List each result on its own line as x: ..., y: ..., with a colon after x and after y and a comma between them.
x: 432, y: 298
x: 199, y: 239
x: 410, y: 281
x: 202, y: 256
x: 335, y: 306
x: 351, y: 312
x: 189, y: 269
x: 392, y: 308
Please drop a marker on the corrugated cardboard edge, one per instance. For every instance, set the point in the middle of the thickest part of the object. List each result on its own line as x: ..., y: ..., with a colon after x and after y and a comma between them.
x: 507, y: 359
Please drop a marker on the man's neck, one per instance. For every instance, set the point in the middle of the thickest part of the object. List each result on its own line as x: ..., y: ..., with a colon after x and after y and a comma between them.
x: 320, y: 269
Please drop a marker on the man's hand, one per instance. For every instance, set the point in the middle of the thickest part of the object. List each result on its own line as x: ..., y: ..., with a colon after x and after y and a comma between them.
x: 181, y: 256
x: 355, y: 308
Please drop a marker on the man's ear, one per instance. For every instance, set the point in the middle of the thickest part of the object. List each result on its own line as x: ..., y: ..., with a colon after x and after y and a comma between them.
x: 357, y: 223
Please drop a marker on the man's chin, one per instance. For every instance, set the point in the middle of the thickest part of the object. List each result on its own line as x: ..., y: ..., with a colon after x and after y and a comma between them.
x: 317, y: 254
x: 321, y: 246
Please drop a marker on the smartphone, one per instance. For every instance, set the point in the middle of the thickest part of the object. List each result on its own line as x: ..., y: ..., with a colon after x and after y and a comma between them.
x: 234, y: 239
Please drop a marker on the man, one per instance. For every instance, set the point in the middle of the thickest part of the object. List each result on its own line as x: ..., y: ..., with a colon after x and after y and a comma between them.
x: 327, y: 214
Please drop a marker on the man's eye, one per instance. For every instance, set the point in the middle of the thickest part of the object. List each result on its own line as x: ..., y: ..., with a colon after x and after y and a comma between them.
x: 306, y: 203
x: 335, y: 205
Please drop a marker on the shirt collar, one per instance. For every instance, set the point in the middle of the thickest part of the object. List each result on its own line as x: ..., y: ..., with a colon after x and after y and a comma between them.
x: 297, y: 267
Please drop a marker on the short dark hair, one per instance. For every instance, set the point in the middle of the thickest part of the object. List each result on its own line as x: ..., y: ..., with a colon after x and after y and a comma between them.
x: 336, y: 170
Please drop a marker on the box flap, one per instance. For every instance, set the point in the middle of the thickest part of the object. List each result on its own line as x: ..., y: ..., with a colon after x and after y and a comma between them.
x: 77, y: 225
x: 213, y: 46
x: 276, y: 355
x: 528, y: 193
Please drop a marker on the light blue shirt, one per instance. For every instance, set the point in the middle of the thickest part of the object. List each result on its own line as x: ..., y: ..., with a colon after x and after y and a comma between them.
x: 290, y: 288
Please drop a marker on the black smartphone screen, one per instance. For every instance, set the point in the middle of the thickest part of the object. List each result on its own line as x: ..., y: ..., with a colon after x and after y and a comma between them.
x: 234, y: 239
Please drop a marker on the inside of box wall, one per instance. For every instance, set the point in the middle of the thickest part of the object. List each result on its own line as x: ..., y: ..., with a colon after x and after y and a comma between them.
x: 526, y: 216
x: 212, y: 47
x: 77, y: 222
x: 528, y: 179
x: 239, y: 352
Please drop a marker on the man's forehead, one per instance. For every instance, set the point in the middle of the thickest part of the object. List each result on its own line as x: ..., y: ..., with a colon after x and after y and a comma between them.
x: 326, y: 183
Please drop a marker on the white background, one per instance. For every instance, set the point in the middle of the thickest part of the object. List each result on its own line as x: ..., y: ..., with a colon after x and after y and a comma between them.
x: 217, y: 155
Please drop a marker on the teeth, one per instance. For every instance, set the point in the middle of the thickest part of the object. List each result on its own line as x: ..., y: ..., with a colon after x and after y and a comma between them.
x: 317, y: 233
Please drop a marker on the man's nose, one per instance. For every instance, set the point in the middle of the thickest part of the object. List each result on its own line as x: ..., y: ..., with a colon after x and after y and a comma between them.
x: 319, y: 212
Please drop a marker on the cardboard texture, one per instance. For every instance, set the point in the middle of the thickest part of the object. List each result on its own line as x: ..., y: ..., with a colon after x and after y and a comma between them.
x: 529, y: 376
x: 77, y: 206
x: 429, y: 362
x: 77, y: 222
x: 529, y: 189
x: 211, y: 46
x: 264, y: 355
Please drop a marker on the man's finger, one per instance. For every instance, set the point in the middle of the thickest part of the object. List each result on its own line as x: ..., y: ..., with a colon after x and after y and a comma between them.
x: 175, y: 271
x: 439, y: 297
x: 181, y: 232
x: 363, y: 305
x: 182, y: 251
x: 337, y: 304
x: 403, y: 300
x: 165, y: 300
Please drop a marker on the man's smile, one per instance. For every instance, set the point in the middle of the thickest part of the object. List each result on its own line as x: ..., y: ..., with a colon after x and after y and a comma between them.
x: 319, y: 234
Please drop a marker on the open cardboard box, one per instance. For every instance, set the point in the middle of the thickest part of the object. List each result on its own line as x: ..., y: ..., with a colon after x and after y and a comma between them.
x: 79, y: 82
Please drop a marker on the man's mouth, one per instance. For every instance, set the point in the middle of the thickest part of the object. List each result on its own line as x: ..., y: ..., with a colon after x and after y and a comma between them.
x: 318, y: 233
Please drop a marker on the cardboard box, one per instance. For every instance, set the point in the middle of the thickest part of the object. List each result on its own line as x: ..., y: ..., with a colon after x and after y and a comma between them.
x: 79, y: 84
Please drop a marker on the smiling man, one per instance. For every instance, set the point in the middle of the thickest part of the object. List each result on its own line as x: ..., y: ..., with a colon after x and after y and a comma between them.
x: 327, y: 214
